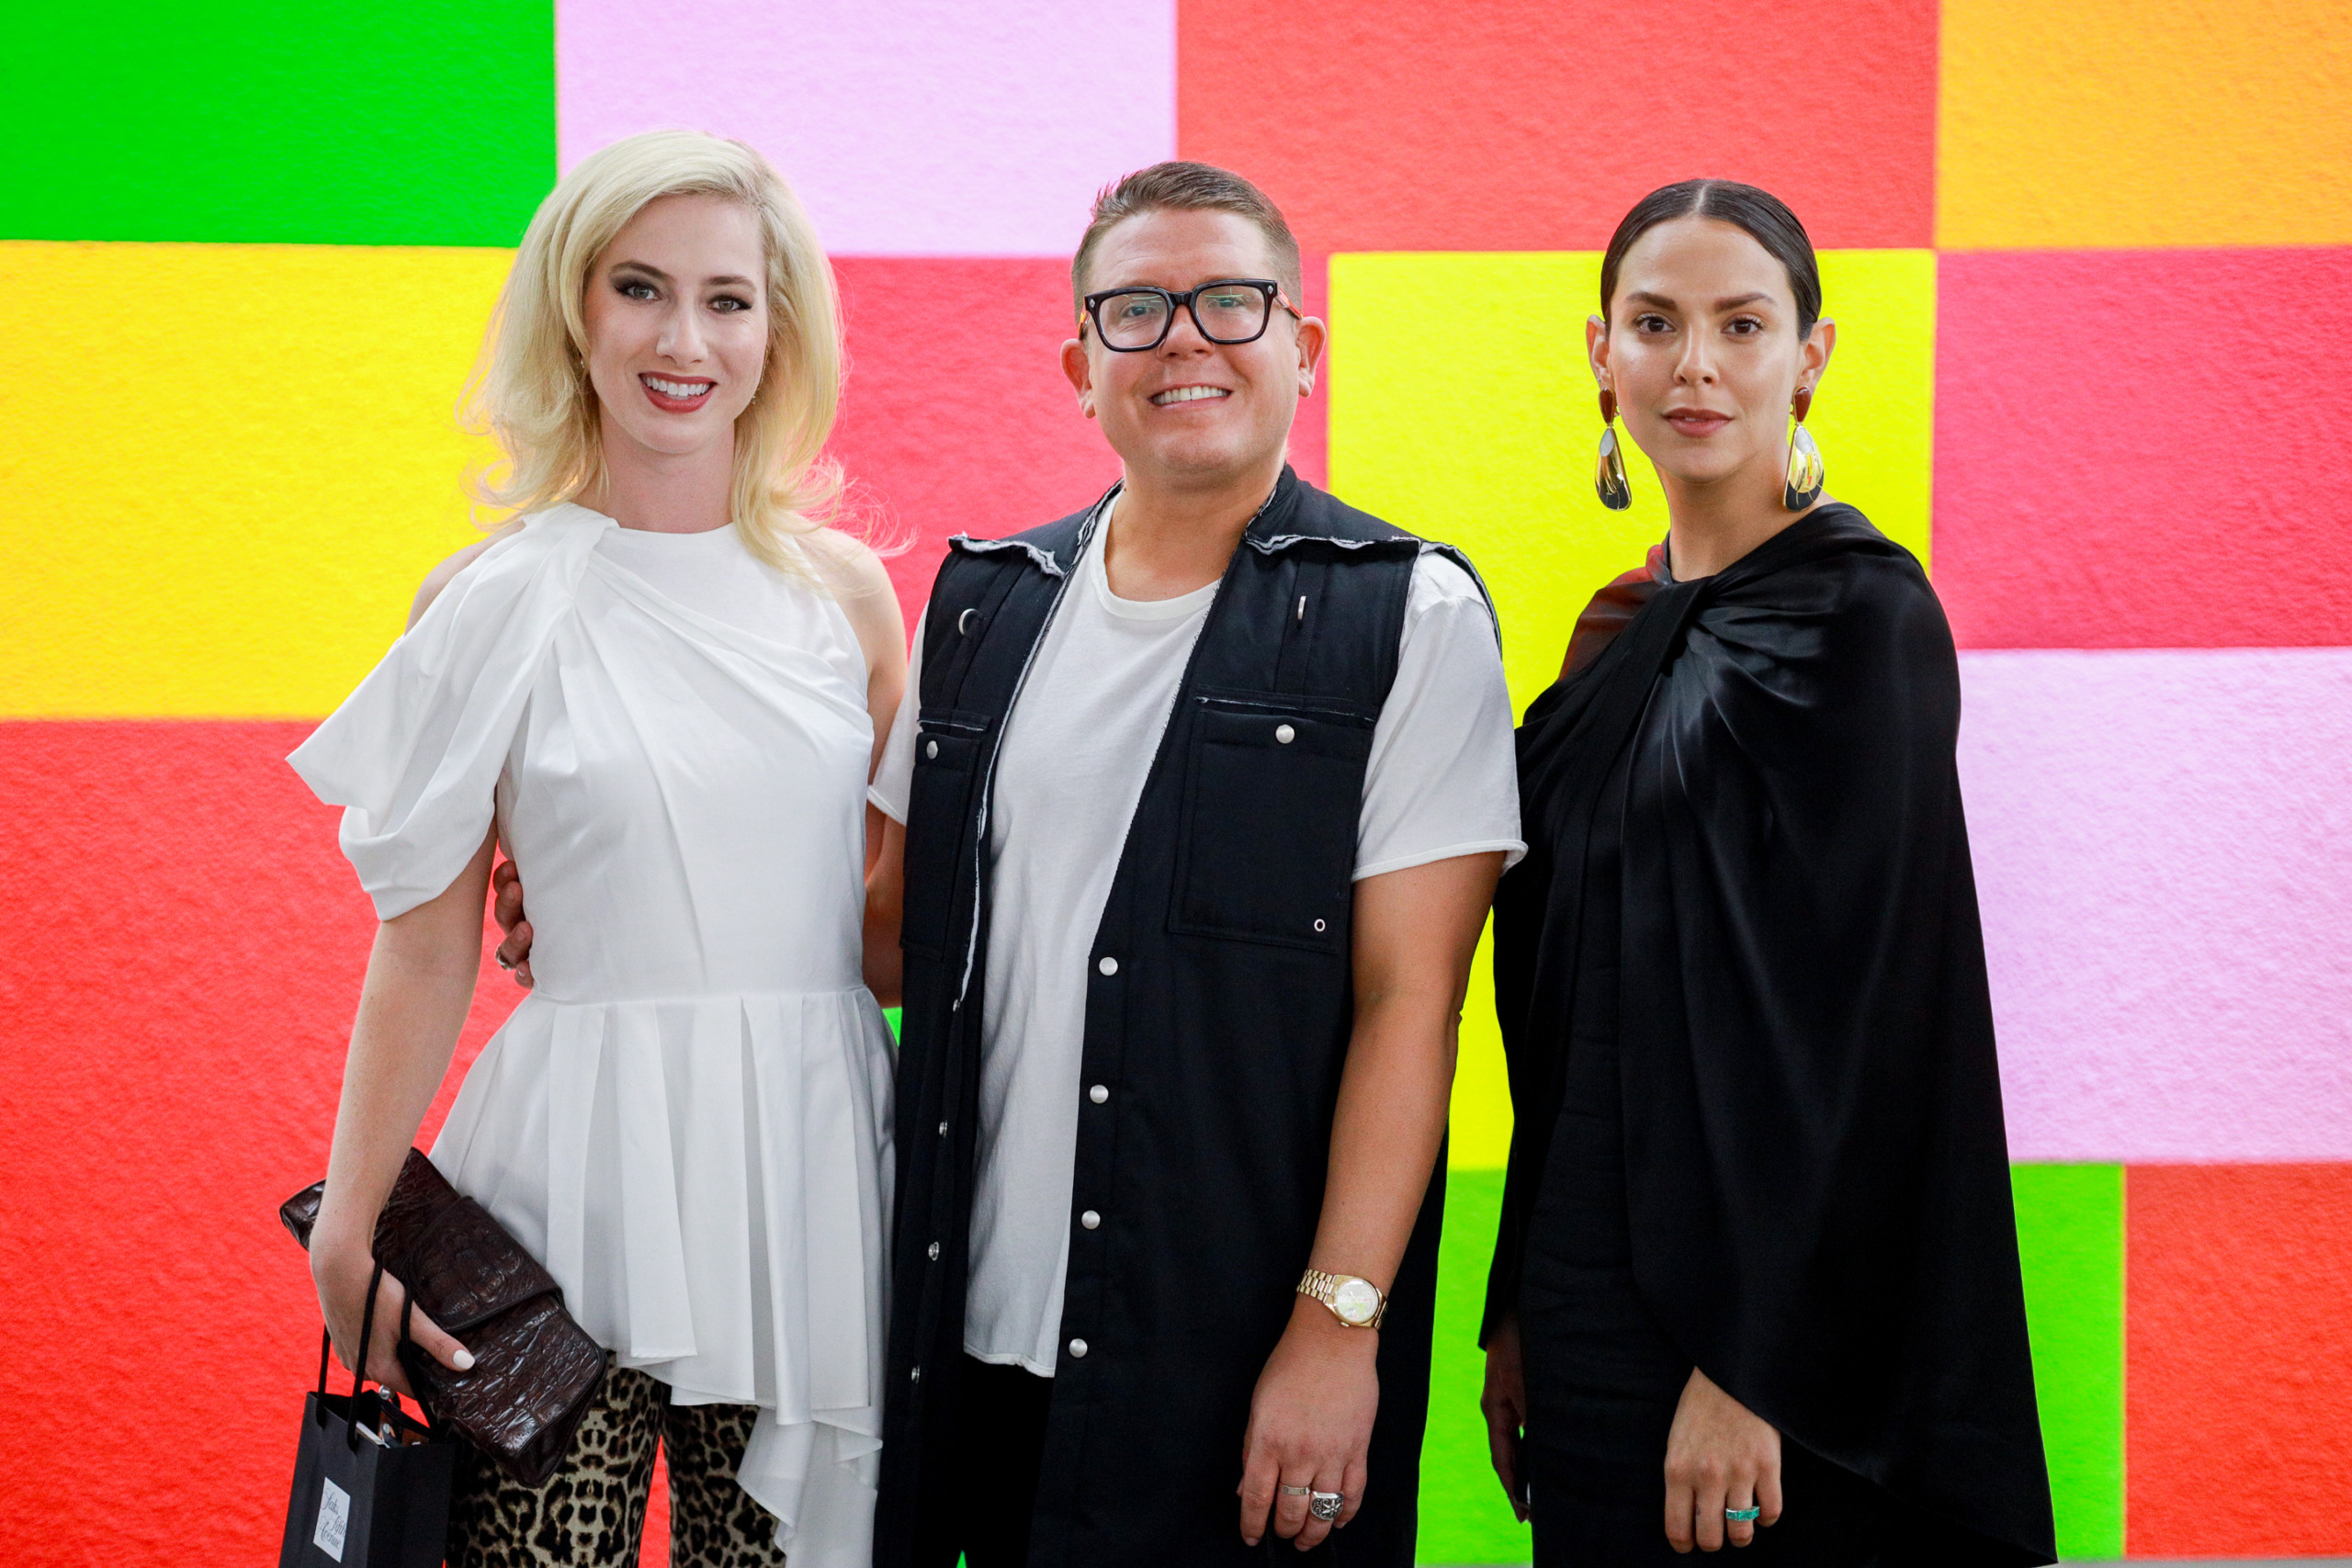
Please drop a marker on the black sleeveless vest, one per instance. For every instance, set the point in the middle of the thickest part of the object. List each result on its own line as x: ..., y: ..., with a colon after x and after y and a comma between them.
x: 1219, y: 1002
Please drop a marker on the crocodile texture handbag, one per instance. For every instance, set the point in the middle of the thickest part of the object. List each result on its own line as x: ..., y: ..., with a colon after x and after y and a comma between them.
x: 535, y: 1369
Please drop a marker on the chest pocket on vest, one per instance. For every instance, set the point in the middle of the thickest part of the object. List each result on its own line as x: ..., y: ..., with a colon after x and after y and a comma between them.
x: 1266, y: 846
x: 939, y: 826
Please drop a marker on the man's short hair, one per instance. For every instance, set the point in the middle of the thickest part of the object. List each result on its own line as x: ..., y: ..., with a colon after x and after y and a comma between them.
x: 1180, y: 186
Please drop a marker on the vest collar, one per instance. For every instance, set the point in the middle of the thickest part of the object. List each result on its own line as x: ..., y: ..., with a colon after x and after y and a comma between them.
x: 1282, y: 522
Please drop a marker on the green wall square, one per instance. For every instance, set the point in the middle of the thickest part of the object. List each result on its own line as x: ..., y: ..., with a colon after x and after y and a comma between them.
x: 2070, y: 1239
x: 1464, y: 1520
x: 427, y: 123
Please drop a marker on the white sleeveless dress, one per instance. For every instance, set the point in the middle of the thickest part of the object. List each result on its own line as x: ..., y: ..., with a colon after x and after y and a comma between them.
x: 688, y: 1118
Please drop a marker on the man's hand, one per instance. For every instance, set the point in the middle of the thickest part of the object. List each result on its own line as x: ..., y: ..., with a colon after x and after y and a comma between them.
x: 1310, y: 1424
x: 1719, y: 1455
x: 514, y: 952
x: 1505, y: 1404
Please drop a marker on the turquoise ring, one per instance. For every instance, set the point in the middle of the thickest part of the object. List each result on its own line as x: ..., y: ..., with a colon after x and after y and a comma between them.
x: 1742, y: 1516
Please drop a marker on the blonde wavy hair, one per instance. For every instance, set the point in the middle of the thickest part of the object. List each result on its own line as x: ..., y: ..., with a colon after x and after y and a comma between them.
x: 530, y: 391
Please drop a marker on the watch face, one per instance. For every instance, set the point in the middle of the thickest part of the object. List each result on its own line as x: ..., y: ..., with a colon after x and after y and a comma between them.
x: 1355, y: 1300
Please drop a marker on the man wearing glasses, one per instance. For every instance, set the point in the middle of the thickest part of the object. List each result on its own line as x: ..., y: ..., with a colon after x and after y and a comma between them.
x: 1197, y: 800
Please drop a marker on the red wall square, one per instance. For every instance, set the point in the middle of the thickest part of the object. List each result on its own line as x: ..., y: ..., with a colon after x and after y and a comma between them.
x: 185, y: 945
x: 2238, y: 1374
x: 1498, y: 125
x: 2143, y: 448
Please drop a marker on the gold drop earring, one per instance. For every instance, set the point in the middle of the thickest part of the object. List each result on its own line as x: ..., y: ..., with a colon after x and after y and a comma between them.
x: 1609, y: 468
x: 1801, y: 484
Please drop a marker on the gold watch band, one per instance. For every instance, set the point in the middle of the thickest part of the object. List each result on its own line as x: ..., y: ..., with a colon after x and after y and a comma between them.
x: 1328, y: 1288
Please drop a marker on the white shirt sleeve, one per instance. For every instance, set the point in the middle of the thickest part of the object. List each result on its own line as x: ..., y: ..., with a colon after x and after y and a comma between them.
x: 1443, y: 779
x: 894, y: 780
x: 413, y: 755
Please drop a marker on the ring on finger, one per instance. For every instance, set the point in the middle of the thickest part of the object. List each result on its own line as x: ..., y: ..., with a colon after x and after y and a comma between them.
x: 1288, y: 1491
x: 1326, y: 1506
x: 1743, y: 1516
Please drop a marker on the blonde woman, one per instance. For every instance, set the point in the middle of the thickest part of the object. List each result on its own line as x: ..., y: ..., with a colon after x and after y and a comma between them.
x: 661, y: 688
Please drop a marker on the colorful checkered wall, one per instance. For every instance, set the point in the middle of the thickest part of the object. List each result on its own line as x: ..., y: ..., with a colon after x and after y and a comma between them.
x: 2092, y: 263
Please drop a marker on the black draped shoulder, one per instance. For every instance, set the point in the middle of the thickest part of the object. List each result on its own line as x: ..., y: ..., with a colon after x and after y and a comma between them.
x: 1815, y: 1166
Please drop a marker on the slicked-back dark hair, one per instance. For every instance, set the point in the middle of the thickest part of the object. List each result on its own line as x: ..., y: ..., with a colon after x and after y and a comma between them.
x: 1765, y: 217
x: 1181, y: 186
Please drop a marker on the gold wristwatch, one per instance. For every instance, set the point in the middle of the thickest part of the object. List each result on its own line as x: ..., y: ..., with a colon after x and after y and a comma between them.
x: 1356, y: 1302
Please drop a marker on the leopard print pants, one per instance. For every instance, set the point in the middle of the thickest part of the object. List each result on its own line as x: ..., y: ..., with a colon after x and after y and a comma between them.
x: 591, y: 1513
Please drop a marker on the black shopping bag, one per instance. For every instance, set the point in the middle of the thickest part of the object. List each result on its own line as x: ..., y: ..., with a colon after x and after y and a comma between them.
x: 371, y: 1483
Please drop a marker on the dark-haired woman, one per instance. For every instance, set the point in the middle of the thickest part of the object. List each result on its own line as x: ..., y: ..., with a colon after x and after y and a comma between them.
x: 1756, y: 1283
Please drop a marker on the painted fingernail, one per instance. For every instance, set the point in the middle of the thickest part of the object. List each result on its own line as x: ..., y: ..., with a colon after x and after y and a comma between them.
x: 464, y: 1358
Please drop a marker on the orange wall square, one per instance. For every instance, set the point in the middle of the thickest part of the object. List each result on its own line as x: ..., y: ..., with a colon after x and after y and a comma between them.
x: 2238, y: 1369
x: 2144, y: 122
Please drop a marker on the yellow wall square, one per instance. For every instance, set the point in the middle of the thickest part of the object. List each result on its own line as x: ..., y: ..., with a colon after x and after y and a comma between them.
x: 252, y: 463
x: 1485, y: 439
x: 2144, y: 122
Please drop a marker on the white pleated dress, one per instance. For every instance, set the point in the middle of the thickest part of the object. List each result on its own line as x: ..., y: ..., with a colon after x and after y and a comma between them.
x: 688, y: 1118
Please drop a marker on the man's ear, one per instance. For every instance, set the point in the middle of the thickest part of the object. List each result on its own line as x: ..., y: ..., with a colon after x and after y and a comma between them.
x: 1313, y: 337
x: 1082, y: 374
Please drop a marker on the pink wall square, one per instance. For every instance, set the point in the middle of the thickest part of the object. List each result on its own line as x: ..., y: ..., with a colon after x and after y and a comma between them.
x: 2164, y: 851
x: 908, y: 127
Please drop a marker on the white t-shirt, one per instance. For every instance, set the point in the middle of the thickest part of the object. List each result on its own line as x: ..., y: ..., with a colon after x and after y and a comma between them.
x: 1442, y: 781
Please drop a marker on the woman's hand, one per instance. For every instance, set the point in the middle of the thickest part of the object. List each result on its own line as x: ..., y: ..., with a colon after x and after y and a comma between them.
x: 1505, y: 1404
x: 1720, y: 1455
x: 342, y: 1275
x: 1310, y: 1424
x: 514, y: 951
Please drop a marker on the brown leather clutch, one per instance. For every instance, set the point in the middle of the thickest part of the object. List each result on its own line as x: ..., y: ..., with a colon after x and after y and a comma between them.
x: 535, y: 1369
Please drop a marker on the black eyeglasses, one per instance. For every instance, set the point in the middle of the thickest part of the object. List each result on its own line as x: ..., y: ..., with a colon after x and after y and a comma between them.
x: 1229, y: 310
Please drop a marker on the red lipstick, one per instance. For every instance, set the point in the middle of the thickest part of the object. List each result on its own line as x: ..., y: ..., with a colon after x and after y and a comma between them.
x: 669, y: 401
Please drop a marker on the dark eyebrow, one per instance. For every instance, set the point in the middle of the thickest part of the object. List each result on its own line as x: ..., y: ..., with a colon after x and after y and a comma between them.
x: 728, y: 282
x: 1733, y: 303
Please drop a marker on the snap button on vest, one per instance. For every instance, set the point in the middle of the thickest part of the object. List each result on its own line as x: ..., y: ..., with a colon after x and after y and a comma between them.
x: 1109, y: 965
x: 1099, y: 1093
x: 1077, y: 1348
x: 1090, y: 1218
x: 1285, y: 734
x: 931, y: 748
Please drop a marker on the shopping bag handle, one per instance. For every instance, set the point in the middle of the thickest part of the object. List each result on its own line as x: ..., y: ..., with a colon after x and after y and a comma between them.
x: 326, y: 1336
x: 408, y: 1315
x: 359, y: 1368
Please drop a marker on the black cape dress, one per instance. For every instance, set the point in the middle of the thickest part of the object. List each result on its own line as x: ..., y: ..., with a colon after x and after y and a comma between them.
x: 1816, y: 1182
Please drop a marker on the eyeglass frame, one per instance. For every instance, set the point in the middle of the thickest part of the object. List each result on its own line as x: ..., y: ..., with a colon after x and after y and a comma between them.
x: 1268, y: 287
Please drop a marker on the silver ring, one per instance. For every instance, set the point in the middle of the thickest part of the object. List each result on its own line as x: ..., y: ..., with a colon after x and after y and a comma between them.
x: 1295, y: 1490
x: 1325, y: 1505
x: 1742, y: 1516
